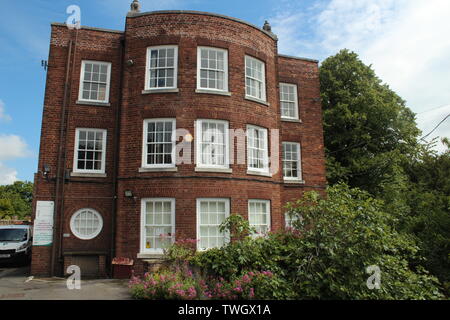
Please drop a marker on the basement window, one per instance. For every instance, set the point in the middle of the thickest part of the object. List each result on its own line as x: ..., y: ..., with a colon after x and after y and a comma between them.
x: 95, y: 81
x: 161, y: 71
x: 90, y: 150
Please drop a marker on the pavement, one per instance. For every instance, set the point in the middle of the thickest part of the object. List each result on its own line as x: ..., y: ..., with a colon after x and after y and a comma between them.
x: 16, y: 284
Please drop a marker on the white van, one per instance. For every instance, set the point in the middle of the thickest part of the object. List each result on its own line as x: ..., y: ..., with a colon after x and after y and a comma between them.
x: 15, y: 243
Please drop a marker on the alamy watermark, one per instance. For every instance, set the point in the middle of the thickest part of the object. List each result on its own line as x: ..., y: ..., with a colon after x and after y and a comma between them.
x: 74, y: 19
x: 74, y: 280
x: 374, y: 281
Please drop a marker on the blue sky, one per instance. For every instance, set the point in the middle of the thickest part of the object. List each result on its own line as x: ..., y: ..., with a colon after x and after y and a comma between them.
x: 406, y: 41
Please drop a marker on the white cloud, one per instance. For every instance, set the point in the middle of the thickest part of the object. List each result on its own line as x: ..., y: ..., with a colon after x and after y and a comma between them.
x: 3, y: 115
x: 7, y: 175
x: 406, y: 41
x: 13, y: 147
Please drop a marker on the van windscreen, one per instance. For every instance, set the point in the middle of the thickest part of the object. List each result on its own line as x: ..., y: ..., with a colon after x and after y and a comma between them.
x: 13, y: 235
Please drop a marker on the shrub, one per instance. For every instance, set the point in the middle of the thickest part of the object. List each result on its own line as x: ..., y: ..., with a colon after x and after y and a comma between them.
x: 165, y: 285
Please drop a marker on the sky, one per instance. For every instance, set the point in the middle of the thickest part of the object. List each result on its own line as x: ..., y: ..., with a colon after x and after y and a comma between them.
x: 407, y: 43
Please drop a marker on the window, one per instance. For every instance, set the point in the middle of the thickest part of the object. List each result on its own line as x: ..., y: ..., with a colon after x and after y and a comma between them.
x: 212, y: 144
x: 162, y: 67
x: 290, y: 219
x: 212, y: 69
x: 288, y: 101
x: 159, y: 143
x: 259, y: 216
x: 257, y: 149
x: 86, y: 224
x: 210, y: 214
x: 291, y: 161
x: 90, y: 151
x: 255, y: 78
x: 95, y: 81
x: 157, y: 224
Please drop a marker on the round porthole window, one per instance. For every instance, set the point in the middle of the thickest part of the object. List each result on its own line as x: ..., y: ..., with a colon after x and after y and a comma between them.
x: 86, y: 224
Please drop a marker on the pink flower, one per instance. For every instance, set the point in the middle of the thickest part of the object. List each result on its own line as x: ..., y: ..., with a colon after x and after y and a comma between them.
x: 252, y: 293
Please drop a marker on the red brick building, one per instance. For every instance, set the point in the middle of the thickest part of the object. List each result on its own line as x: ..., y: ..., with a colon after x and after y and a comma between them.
x: 124, y: 183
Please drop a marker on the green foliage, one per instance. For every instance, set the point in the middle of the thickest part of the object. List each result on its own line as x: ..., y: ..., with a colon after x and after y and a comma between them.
x: 429, y: 199
x: 346, y: 233
x: 367, y: 127
x: 371, y: 142
x: 165, y: 285
x: 237, y: 227
x: 15, y: 200
x: 326, y: 255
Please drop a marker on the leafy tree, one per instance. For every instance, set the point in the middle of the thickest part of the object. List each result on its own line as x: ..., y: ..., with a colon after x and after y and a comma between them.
x: 367, y: 127
x: 429, y: 200
x: 15, y: 200
x: 346, y: 233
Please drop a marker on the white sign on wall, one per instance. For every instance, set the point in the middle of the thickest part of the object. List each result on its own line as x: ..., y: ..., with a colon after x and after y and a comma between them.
x: 43, y: 224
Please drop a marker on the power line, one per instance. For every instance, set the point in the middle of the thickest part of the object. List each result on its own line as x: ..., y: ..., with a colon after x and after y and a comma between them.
x: 435, y: 127
x: 443, y: 106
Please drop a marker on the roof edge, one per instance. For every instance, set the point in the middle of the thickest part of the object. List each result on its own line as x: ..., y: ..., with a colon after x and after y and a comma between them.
x: 298, y: 58
x: 58, y: 24
x: 140, y: 14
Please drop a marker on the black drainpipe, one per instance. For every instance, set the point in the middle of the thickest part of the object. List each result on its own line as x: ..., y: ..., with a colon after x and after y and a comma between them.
x: 117, y: 152
x: 60, y: 171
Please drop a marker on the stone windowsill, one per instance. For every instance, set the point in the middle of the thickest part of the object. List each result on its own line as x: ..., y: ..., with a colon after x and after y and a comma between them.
x: 215, y: 170
x: 291, y: 120
x: 257, y: 100
x: 93, y: 103
x: 143, y: 170
x: 151, y: 256
x: 88, y: 175
x: 206, y: 91
x: 294, y: 181
x: 153, y: 91
x: 259, y: 173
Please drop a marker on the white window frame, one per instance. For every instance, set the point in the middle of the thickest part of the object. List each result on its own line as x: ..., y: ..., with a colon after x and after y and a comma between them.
x: 145, y: 144
x: 76, y: 146
x: 108, y: 81
x: 262, y: 81
x: 296, y: 111
x: 199, y: 135
x: 265, y: 159
x: 148, y: 66
x: 83, y: 237
x: 268, y: 214
x: 299, y: 161
x: 143, y: 247
x: 225, y: 71
x: 226, y: 235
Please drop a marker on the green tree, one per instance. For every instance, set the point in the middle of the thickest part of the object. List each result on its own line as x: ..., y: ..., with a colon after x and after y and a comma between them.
x: 368, y: 129
x: 429, y: 200
x: 344, y: 234
x: 15, y: 200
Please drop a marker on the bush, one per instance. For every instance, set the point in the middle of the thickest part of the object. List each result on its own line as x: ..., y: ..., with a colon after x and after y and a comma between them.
x: 165, y: 285
x: 325, y: 256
